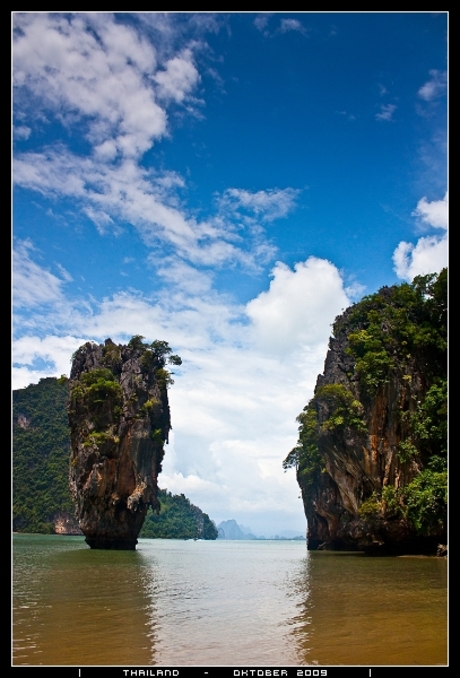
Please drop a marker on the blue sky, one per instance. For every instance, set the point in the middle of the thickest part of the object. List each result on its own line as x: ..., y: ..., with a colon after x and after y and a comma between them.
x: 228, y: 183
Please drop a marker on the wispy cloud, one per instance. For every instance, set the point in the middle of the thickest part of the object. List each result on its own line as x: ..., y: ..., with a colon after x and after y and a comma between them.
x: 33, y: 285
x: 386, y: 112
x: 283, y: 26
x: 111, y: 83
x: 268, y: 204
x: 435, y: 87
x: 261, y: 22
x: 127, y: 193
x: 287, y: 25
x: 21, y: 132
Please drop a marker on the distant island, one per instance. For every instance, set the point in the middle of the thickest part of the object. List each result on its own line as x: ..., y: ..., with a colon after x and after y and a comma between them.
x: 229, y: 529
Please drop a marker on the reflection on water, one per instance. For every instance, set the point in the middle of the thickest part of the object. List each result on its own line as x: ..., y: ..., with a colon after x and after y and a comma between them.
x: 223, y: 603
x: 372, y: 611
x: 73, y: 605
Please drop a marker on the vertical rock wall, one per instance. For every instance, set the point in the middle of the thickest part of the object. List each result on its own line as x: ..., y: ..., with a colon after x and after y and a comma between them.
x: 372, y: 452
x: 119, y: 419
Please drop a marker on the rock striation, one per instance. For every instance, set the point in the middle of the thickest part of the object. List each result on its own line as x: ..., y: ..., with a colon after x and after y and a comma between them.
x: 371, y: 458
x: 119, y: 421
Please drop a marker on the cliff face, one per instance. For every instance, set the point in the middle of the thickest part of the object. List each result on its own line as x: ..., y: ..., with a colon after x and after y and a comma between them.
x: 371, y: 456
x: 119, y: 419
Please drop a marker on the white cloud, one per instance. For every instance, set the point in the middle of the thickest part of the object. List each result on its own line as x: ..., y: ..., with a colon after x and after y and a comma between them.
x: 185, y: 277
x: 178, y: 78
x: 95, y: 69
x: 55, y: 351
x: 432, y: 213
x: 126, y: 192
x: 21, y: 132
x: 291, y: 312
x: 261, y: 21
x: 287, y: 25
x: 33, y: 285
x: 386, y: 112
x: 435, y: 87
x: 429, y: 254
x: 107, y: 79
x: 268, y: 204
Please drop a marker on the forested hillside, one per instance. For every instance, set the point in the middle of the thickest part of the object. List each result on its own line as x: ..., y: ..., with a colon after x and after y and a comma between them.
x: 41, y: 444
x: 178, y: 519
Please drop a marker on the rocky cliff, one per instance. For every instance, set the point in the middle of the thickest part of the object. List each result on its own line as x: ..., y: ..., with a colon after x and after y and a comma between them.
x: 119, y: 420
x: 371, y: 457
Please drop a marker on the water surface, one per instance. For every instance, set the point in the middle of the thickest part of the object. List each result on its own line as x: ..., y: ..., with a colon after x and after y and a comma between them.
x: 187, y: 603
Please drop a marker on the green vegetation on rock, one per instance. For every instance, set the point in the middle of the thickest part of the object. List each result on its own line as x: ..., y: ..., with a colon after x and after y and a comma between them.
x: 371, y: 457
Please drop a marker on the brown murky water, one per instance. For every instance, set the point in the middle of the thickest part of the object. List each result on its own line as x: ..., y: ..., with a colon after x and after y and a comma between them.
x: 229, y: 603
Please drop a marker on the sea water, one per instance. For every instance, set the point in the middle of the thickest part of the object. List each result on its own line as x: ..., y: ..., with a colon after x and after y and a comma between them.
x: 227, y: 603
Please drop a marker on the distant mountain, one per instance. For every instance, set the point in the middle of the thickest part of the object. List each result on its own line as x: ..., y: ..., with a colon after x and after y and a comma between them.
x: 229, y: 529
x: 289, y: 534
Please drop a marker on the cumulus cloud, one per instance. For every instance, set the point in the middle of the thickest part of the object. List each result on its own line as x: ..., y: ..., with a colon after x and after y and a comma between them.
x: 53, y: 353
x: 429, y: 254
x: 432, y: 213
x: 291, y: 312
x: 435, y: 87
x: 236, y: 400
x: 178, y: 78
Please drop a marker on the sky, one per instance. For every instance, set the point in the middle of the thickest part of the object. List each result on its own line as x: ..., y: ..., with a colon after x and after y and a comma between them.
x: 228, y: 183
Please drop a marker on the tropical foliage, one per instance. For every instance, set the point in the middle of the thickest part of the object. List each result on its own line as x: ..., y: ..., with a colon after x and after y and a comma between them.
x: 178, y: 519
x: 40, y: 455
